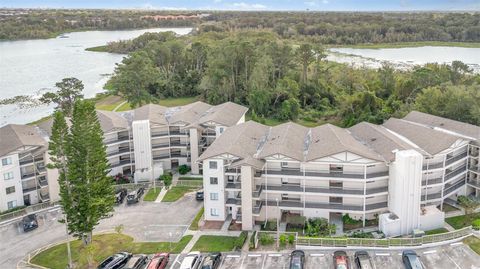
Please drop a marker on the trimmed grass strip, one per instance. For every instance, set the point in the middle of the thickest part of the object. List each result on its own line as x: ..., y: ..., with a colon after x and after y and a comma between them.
x: 194, y: 225
x: 176, y: 192
x: 152, y: 194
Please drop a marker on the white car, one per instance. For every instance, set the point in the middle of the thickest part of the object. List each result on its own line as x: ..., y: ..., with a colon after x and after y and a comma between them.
x: 192, y: 260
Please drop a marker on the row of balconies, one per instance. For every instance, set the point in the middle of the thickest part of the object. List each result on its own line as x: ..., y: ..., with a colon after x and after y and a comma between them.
x: 311, y: 173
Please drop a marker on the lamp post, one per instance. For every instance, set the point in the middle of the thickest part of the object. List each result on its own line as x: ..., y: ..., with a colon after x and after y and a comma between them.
x: 69, y: 252
x: 278, y: 225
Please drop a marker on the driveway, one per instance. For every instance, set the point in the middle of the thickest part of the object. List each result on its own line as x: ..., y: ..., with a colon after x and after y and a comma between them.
x: 145, y: 221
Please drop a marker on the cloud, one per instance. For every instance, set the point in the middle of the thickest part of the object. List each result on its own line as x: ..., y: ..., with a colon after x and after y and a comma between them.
x: 310, y: 3
x: 149, y: 6
x: 247, y: 6
x: 217, y: 1
x: 324, y: 1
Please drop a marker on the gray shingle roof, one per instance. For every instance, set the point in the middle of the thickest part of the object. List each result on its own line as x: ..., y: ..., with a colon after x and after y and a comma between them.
x: 444, y: 123
x: 13, y: 137
x: 428, y: 139
x: 379, y: 139
x: 287, y: 139
x: 187, y: 114
x: 328, y: 140
x: 227, y: 114
x: 154, y: 113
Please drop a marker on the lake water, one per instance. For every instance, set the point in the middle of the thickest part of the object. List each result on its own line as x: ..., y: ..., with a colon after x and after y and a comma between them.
x: 405, y: 58
x: 30, y: 66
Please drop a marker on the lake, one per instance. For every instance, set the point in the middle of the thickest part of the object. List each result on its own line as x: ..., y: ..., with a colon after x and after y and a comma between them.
x: 405, y: 58
x: 30, y: 66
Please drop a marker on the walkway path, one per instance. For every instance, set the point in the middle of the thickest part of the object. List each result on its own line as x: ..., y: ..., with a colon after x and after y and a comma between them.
x: 119, y: 106
x: 161, y: 195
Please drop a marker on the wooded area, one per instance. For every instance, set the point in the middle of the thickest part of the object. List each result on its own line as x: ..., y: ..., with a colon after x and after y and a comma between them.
x: 284, y: 79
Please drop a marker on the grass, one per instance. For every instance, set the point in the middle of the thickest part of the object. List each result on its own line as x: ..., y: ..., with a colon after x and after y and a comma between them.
x: 103, y: 48
x: 181, y: 101
x: 459, y: 222
x: 219, y: 243
x: 448, y: 208
x: 194, y: 225
x: 176, y: 192
x: 411, y: 44
x: 103, y: 246
x: 436, y: 231
x: 190, y: 178
x: 40, y: 120
x: 274, y: 122
x: 152, y: 194
x: 473, y: 242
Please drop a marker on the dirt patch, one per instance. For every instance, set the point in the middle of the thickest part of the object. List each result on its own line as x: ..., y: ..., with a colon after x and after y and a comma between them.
x: 212, y: 225
x: 110, y: 100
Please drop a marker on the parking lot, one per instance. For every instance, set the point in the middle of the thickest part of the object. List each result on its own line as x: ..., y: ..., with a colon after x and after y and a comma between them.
x: 453, y: 256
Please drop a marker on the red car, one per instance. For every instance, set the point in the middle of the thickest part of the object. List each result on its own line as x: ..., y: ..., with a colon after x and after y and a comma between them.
x: 340, y: 260
x: 159, y: 261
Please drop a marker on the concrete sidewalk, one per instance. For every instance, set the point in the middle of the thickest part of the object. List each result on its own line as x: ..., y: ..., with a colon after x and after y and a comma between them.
x: 161, y: 195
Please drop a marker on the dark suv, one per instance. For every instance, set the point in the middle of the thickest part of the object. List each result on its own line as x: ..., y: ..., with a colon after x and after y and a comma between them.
x: 410, y: 260
x: 134, y: 196
x: 297, y: 259
x: 116, y: 261
x: 120, y: 196
x: 29, y: 223
x: 199, y: 196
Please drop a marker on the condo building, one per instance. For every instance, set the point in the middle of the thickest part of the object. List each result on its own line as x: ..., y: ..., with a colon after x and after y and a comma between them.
x: 400, y: 173
x: 141, y: 143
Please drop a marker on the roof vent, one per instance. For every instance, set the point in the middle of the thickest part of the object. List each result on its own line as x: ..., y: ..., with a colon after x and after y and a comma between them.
x: 373, y: 139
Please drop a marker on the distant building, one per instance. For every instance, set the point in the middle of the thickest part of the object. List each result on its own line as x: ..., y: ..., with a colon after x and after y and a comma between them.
x: 398, y: 172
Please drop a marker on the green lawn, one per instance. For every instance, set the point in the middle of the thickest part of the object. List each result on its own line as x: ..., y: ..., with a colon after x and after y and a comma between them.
x: 274, y: 122
x: 111, y: 102
x: 181, y: 101
x: 103, y: 246
x: 152, y: 194
x: 103, y: 48
x: 473, y: 242
x: 448, y: 208
x: 218, y: 243
x: 190, y: 178
x: 176, y: 192
x: 436, y: 231
x: 194, y: 225
x: 461, y: 221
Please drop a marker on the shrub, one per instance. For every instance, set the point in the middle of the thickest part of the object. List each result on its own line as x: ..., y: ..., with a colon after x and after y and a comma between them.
x: 270, y: 225
x: 252, y: 240
x: 319, y: 227
x: 361, y: 235
x: 183, y: 169
x: 240, y: 240
x: 167, y: 179
x: 266, y: 239
x: 476, y: 224
x: 349, y: 220
x: 291, y: 239
x: 121, y: 179
x: 283, y: 240
x: 295, y: 221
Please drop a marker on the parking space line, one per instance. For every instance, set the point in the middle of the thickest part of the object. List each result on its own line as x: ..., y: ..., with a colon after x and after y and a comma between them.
x: 456, y: 264
x: 233, y: 256
x: 241, y: 264
x: 254, y: 255
x: 382, y: 254
x: 263, y: 262
x: 430, y: 251
x: 317, y: 255
x: 456, y: 244
x: 275, y: 255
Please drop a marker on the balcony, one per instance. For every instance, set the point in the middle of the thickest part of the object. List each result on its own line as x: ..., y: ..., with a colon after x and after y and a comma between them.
x: 159, y: 146
x: 178, y: 132
x: 257, y: 192
x: 159, y: 134
x: 453, y: 187
x: 29, y: 189
x: 161, y: 157
x: 298, y: 172
x: 431, y: 166
x: 231, y: 171
x: 233, y: 201
x: 455, y: 172
x: 119, y: 151
x: 29, y: 160
x: 44, y: 197
x: 431, y: 196
x: 474, y: 183
x: 179, y: 155
x: 299, y: 188
x: 458, y: 157
x: 43, y: 182
x: 257, y: 207
x: 432, y: 181
x: 300, y: 204
x: 178, y: 144
x: 233, y: 186
x: 119, y: 139
x: 120, y: 163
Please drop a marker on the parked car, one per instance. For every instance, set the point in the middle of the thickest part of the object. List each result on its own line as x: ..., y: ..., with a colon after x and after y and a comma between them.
x: 199, y: 195
x: 340, y: 260
x: 137, y: 261
x: 30, y: 222
x: 362, y: 260
x: 191, y: 261
x: 115, y: 261
x: 134, y: 196
x: 159, y: 261
x: 211, y: 261
x: 120, y: 196
x: 410, y: 260
x: 297, y: 259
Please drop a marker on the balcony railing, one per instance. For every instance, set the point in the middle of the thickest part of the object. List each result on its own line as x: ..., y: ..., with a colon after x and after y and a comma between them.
x: 179, y: 155
x: 119, y: 151
x: 29, y: 189
x: 159, y: 134
x: 451, y: 188
x: 234, y: 186
x: 432, y: 166
x: 257, y: 207
x: 431, y: 196
x: 44, y: 197
x: 178, y: 133
x: 233, y: 201
x: 30, y: 160
x: 298, y: 172
x: 455, y: 172
x: 43, y: 182
x: 120, y: 163
x: 161, y: 157
x: 258, y: 191
x: 300, y: 204
x: 432, y: 181
x: 309, y: 189
x: 458, y: 157
x: 116, y: 140
x: 178, y: 144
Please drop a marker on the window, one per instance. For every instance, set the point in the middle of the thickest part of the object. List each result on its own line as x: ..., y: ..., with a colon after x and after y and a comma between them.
x: 6, y: 161
x: 212, y: 165
x: 284, y: 181
x: 284, y: 164
x: 214, y: 196
x: 230, y: 178
x: 336, y: 168
x: 10, y: 189
x: 11, y: 204
x: 220, y: 130
x: 336, y: 200
x: 213, y: 181
x: 336, y: 184
x: 8, y: 175
x: 213, y: 212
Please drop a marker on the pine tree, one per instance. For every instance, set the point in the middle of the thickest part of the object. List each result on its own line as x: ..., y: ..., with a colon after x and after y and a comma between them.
x: 86, y: 192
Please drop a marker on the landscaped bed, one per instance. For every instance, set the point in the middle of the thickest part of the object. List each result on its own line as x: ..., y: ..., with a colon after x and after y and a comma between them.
x: 436, y: 231
x: 176, y: 192
x: 217, y: 243
x: 459, y: 222
x: 194, y: 225
x: 474, y: 243
x: 103, y: 246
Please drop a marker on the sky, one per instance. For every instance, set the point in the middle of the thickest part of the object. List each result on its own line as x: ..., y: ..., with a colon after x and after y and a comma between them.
x: 322, y: 5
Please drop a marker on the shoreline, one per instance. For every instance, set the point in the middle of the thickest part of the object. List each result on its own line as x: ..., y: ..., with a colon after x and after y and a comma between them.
x: 400, y: 45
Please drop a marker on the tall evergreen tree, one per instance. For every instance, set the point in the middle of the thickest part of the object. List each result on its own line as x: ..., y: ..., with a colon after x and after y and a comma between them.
x: 86, y: 191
